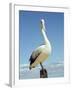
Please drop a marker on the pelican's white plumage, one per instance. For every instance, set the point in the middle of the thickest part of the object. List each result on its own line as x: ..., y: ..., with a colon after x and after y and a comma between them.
x: 41, y: 53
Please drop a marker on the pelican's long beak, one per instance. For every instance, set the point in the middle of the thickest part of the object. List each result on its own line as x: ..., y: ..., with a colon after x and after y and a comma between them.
x: 43, y: 24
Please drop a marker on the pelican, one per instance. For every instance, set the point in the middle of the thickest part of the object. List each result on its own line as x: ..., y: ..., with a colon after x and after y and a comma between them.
x: 40, y: 54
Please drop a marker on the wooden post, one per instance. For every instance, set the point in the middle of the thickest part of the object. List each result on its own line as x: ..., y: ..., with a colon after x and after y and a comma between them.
x: 43, y: 73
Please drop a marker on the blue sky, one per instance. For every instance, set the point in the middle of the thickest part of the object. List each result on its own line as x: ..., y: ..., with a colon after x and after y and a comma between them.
x: 30, y: 36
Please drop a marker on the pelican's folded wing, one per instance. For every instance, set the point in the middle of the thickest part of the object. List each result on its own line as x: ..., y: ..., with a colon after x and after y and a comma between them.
x: 33, y: 57
x: 35, y: 54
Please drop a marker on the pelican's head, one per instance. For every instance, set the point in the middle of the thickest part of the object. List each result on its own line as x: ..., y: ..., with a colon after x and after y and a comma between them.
x: 42, y: 24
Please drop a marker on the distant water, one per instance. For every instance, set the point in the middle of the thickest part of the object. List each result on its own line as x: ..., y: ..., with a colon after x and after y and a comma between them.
x: 54, y: 71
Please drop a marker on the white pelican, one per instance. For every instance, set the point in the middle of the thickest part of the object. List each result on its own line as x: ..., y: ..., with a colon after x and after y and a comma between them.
x: 41, y: 53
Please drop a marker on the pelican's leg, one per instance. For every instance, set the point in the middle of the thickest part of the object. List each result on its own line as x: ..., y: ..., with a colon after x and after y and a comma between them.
x: 43, y: 72
x: 41, y: 66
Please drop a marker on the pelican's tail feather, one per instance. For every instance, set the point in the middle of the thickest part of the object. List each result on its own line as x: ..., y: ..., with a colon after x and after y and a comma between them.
x: 30, y: 67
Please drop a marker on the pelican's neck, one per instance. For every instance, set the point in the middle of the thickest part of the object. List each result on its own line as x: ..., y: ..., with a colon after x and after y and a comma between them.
x: 45, y: 37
